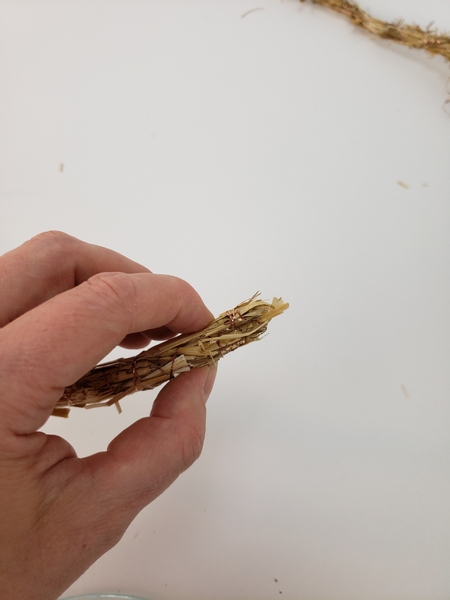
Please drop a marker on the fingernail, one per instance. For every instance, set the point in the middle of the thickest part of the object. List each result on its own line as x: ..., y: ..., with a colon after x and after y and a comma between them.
x: 209, y: 381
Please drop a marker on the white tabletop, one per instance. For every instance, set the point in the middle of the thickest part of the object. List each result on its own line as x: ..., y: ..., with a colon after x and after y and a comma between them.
x: 283, y: 151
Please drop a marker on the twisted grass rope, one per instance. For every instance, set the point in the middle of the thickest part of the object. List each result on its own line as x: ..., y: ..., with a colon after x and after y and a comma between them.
x: 410, y: 35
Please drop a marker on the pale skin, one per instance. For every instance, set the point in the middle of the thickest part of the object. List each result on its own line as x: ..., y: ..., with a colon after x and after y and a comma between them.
x: 64, y: 305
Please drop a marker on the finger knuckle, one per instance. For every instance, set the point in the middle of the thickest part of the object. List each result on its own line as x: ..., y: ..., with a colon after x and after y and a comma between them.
x: 193, y: 446
x: 53, y: 248
x: 185, y: 291
x: 113, y: 290
x: 53, y: 241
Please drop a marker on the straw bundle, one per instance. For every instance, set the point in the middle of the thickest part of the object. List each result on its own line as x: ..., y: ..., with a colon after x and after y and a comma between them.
x: 402, y: 33
x: 108, y: 383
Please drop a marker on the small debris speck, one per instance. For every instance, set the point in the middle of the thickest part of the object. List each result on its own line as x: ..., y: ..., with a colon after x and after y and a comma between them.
x: 403, y: 184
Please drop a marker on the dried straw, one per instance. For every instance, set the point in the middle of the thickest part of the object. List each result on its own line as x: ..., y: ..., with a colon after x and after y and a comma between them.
x: 108, y: 383
x: 412, y: 36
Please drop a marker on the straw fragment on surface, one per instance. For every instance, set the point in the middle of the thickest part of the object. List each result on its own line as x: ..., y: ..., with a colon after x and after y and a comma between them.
x: 108, y: 383
x: 412, y: 36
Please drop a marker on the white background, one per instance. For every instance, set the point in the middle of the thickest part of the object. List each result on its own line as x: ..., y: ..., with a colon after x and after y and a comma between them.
x: 262, y: 152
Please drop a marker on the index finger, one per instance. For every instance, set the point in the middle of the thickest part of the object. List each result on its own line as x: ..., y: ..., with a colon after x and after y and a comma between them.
x: 53, y: 345
x: 49, y: 264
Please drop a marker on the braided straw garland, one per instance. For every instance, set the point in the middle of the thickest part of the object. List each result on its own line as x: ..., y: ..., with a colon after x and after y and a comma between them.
x: 108, y: 383
x: 408, y: 35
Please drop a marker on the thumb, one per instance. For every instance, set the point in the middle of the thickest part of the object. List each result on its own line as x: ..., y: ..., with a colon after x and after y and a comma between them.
x: 93, y: 500
x: 142, y: 461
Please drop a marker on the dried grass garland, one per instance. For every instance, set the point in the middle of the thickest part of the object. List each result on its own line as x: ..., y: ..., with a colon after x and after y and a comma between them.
x: 412, y: 36
x: 108, y: 383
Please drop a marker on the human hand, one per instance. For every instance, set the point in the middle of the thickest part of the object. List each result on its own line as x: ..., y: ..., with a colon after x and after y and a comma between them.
x: 65, y: 305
